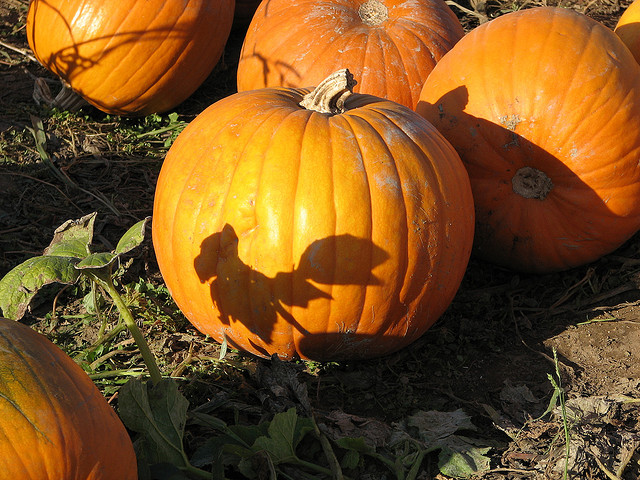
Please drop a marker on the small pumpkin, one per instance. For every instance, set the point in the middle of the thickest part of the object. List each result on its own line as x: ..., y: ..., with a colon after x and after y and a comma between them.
x: 127, y: 56
x: 628, y: 28
x: 543, y: 107
x: 390, y: 45
x: 56, y: 425
x: 317, y: 224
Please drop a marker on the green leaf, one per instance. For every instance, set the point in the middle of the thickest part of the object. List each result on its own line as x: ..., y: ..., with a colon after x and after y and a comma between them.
x: 158, y: 413
x: 20, y: 285
x: 72, y: 238
x: 97, y: 261
x: 356, y: 444
x: 285, y: 432
x: 132, y: 237
x: 460, y: 458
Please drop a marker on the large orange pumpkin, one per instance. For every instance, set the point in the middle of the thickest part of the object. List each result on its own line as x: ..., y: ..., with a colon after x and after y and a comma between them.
x: 54, y: 423
x: 130, y: 56
x: 543, y: 106
x: 628, y: 28
x: 341, y: 230
x: 390, y: 45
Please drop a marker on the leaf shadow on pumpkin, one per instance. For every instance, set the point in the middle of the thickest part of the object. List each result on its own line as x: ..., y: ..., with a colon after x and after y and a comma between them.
x: 69, y: 62
x: 243, y: 294
x: 569, y: 227
x: 271, y: 68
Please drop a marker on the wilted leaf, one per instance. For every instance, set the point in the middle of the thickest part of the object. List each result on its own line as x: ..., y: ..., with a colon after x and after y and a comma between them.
x: 20, y: 285
x: 72, y: 238
x: 158, y: 413
x: 132, y: 238
x: 460, y: 458
x: 434, y: 426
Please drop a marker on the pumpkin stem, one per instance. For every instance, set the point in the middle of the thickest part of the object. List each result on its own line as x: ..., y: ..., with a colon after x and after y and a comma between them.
x: 373, y: 13
x: 530, y: 182
x: 67, y: 99
x: 330, y: 95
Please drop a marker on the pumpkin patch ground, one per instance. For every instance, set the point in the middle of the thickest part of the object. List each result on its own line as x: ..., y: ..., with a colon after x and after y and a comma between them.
x: 524, y: 376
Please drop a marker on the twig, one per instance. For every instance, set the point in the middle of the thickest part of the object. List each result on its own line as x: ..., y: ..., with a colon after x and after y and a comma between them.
x: 480, y: 16
x: 21, y: 51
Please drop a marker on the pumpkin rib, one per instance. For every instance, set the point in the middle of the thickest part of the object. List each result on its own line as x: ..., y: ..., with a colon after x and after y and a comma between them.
x: 440, y: 197
x: 412, y: 75
x: 197, y: 219
x: 142, y: 70
x: 295, y: 120
x: 369, y: 126
x: 344, y: 123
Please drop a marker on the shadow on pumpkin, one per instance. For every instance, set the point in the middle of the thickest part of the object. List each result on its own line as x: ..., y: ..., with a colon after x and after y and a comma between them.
x: 547, y: 234
x: 244, y: 294
x: 69, y: 62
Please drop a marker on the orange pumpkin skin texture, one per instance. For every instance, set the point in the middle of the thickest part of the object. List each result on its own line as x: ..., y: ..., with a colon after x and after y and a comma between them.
x: 130, y: 57
x: 309, y: 235
x: 389, y: 45
x: 543, y: 107
x: 55, y: 424
x: 628, y: 28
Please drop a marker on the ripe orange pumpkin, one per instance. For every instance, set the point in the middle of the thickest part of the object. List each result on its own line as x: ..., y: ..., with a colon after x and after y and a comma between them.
x: 628, y: 28
x: 130, y: 56
x: 543, y: 107
x: 55, y: 424
x: 390, y: 45
x: 337, y: 231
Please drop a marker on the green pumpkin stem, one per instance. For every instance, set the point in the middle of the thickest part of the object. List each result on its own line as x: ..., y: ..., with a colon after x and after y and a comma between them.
x: 330, y: 95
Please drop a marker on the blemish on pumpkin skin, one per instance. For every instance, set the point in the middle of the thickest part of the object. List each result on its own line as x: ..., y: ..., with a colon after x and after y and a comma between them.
x: 510, y: 122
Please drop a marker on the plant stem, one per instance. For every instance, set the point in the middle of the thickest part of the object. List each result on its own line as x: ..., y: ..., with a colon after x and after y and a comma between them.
x: 196, y: 472
x: 126, y: 315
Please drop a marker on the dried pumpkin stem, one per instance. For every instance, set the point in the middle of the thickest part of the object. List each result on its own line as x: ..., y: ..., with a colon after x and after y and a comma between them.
x: 373, y: 13
x: 67, y: 99
x: 330, y: 95
x: 530, y: 182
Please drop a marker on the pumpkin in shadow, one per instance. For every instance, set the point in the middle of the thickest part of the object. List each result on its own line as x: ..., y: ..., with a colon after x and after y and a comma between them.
x: 543, y: 107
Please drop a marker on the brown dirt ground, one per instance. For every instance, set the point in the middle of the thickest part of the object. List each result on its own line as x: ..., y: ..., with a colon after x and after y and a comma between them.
x: 490, y: 354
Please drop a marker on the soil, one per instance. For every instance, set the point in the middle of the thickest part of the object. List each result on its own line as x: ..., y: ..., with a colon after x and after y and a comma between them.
x: 491, y: 354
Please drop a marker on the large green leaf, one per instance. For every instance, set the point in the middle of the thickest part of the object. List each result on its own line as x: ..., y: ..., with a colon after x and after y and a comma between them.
x: 20, y: 285
x: 158, y: 413
x: 284, y: 434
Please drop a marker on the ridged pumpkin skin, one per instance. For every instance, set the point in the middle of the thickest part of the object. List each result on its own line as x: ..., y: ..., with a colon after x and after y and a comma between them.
x: 129, y: 56
x: 326, y: 237
x: 628, y: 28
x: 543, y: 106
x: 54, y: 423
x: 297, y: 43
